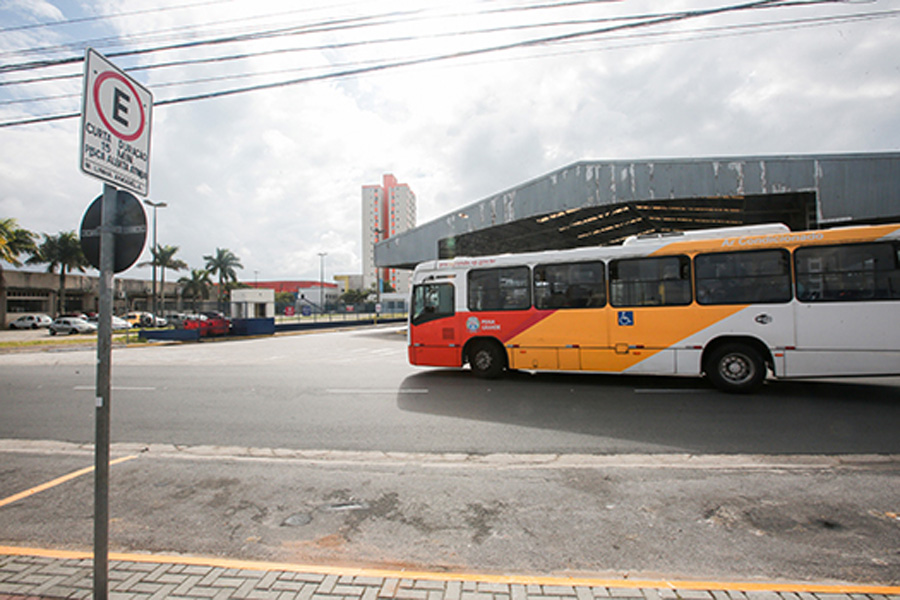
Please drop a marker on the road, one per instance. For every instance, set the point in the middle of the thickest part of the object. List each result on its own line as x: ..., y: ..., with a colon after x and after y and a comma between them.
x: 330, y: 448
x: 355, y: 391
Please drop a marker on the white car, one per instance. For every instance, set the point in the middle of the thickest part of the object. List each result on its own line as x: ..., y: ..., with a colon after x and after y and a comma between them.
x: 71, y: 325
x: 144, y: 319
x: 31, y: 322
x: 118, y: 323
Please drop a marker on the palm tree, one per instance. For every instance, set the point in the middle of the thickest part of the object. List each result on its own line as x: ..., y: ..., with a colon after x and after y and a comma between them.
x: 196, y: 286
x: 61, y: 251
x: 223, y: 263
x: 14, y: 241
x: 163, y: 256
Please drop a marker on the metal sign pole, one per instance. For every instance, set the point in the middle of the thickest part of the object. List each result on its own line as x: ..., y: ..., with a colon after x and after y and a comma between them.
x: 104, y: 364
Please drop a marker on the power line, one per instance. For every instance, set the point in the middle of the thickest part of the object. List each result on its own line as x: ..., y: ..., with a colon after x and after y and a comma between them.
x: 93, y: 18
x: 325, y: 26
x: 692, y: 35
x: 476, y: 52
x: 366, y: 21
x: 332, y: 46
x: 341, y: 45
x: 352, y: 70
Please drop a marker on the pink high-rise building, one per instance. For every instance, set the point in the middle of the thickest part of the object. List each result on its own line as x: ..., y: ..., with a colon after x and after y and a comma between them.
x: 387, y: 210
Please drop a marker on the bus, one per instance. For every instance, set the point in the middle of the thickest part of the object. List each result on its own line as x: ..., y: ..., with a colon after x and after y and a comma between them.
x: 731, y: 304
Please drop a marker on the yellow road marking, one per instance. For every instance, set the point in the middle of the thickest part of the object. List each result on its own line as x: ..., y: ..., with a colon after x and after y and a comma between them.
x: 249, y: 565
x: 59, y: 480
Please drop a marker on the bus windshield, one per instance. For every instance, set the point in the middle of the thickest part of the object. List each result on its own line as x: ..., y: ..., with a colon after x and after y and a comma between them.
x: 432, y: 301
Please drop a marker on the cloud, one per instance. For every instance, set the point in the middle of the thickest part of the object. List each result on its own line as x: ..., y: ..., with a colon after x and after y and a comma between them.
x: 34, y: 10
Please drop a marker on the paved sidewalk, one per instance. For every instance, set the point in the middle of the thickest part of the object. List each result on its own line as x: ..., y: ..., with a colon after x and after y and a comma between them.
x: 49, y: 574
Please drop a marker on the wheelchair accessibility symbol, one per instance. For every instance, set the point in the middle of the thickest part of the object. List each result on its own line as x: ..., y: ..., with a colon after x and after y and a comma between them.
x: 626, y: 318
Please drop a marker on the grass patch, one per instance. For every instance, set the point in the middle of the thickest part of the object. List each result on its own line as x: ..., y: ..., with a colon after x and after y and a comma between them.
x: 128, y: 338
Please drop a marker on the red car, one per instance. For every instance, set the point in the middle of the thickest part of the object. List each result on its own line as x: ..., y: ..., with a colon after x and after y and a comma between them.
x: 209, y: 324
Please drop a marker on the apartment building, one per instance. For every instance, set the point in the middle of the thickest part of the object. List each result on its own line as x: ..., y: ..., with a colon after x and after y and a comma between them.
x: 387, y: 210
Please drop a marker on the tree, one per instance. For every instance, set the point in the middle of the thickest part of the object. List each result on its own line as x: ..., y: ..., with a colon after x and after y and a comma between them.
x: 386, y: 287
x: 354, y: 296
x: 63, y: 252
x: 223, y: 263
x: 196, y: 286
x: 14, y: 241
x: 284, y: 298
x: 164, y: 256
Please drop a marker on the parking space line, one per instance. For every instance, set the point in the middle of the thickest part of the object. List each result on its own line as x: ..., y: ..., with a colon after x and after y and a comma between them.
x: 59, y: 480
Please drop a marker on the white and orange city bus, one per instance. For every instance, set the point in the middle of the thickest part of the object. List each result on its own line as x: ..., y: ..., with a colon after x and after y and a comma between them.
x: 731, y: 304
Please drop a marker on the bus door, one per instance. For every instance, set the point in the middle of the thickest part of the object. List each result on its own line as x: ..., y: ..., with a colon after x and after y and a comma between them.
x: 434, y: 338
x: 650, y: 301
x: 571, y: 297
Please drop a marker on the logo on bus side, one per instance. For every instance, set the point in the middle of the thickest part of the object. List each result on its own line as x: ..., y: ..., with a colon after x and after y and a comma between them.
x: 472, y: 324
x: 626, y: 318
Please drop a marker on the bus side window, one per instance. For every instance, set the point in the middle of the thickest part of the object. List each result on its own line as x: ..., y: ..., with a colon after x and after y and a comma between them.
x: 575, y: 285
x: 652, y: 281
x: 756, y: 276
x: 506, y: 288
x: 848, y: 272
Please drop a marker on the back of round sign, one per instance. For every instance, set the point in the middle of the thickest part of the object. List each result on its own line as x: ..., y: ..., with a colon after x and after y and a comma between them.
x: 129, y: 226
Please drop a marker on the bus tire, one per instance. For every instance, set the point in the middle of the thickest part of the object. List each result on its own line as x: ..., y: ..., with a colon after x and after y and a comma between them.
x: 487, y: 359
x: 736, y: 368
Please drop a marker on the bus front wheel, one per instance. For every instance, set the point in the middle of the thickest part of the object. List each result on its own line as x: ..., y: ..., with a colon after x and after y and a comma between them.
x: 487, y: 359
x: 736, y: 367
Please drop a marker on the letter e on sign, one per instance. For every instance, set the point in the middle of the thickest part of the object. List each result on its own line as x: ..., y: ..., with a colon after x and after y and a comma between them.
x: 115, y: 126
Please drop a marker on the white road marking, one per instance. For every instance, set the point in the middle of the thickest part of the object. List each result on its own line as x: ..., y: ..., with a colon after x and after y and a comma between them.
x: 117, y: 388
x: 375, y: 391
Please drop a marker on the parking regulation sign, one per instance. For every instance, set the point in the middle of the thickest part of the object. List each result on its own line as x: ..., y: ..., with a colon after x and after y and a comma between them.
x: 115, y: 126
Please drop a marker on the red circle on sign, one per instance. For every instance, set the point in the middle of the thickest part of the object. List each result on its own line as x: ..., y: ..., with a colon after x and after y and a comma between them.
x: 100, y: 79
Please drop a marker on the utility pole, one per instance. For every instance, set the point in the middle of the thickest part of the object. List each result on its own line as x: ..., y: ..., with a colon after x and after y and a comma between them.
x: 322, y: 256
x: 154, y: 253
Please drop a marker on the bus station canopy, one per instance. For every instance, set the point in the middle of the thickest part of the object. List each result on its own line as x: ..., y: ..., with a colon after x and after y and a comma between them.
x: 603, y: 202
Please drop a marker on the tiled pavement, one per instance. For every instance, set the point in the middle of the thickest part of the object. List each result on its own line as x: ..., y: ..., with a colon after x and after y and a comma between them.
x: 52, y: 576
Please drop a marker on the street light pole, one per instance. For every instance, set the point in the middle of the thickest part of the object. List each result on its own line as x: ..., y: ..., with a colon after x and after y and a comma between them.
x: 378, y: 233
x: 322, y: 256
x: 154, y: 251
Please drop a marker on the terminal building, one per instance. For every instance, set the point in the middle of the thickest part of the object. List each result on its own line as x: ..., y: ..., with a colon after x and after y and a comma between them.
x: 603, y: 202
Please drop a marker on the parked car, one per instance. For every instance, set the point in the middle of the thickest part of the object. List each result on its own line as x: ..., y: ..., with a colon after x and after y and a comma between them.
x: 177, y: 319
x: 144, y: 319
x: 118, y: 323
x: 70, y: 325
x: 75, y: 315
x: 209, y: 323
x: 31, y: 322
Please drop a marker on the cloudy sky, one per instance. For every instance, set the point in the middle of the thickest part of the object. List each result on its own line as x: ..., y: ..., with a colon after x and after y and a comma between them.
x: 460, y: 99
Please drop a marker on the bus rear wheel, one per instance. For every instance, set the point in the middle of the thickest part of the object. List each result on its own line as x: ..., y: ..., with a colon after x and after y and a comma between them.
x: 487, y: 359
x: 736, y: 368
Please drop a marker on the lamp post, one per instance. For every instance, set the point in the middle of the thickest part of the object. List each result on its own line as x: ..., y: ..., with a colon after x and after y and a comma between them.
x: 378, y: 233
x: 155, y: 205
x: 322, y: 256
